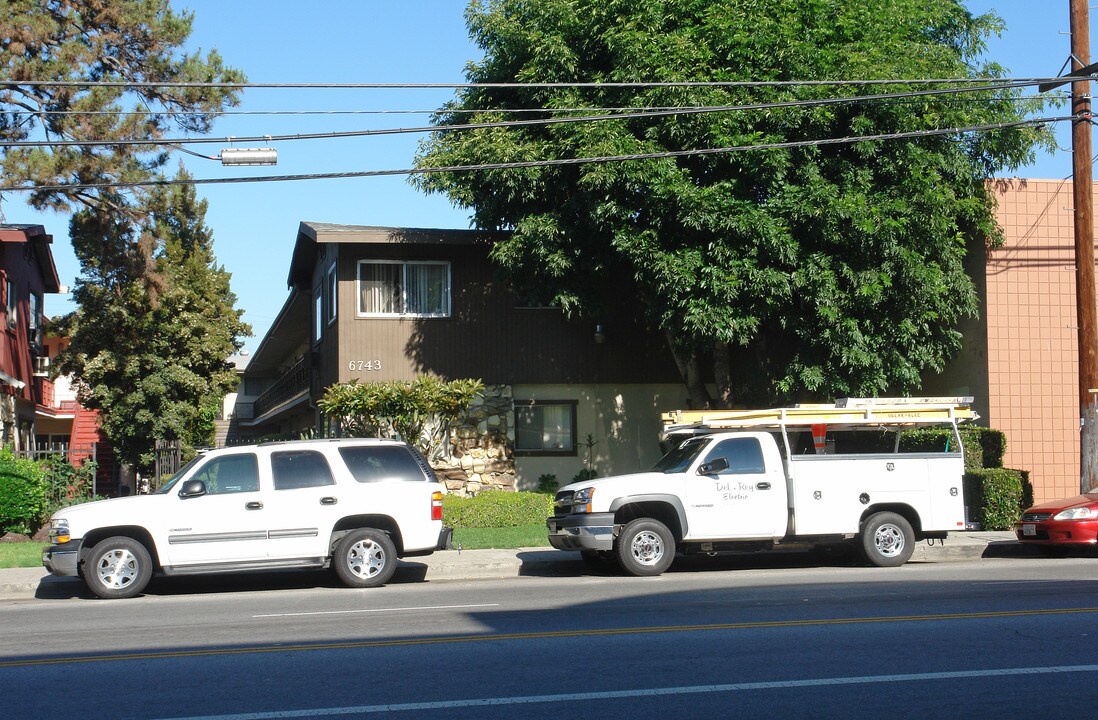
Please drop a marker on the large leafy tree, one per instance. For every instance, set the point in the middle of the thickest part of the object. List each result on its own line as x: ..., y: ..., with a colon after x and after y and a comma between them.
x: 824, y: 269
x: 156, y: 367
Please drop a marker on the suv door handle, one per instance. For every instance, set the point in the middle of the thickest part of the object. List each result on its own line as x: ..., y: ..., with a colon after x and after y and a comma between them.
x: 763, y: 486
x: 328, y: 500
x: 254, y: 506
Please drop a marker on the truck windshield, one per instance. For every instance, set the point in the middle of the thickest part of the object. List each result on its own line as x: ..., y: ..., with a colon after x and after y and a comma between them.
x: 681, y: 456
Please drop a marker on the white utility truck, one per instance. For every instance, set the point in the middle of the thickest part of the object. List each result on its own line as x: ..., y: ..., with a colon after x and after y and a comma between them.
x: 809, y: 475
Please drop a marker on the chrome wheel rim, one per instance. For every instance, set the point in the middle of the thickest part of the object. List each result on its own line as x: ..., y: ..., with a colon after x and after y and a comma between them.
x: 366, y: 558
x: 117, y: 568
x: 889, y: 540
x: 647, y: 547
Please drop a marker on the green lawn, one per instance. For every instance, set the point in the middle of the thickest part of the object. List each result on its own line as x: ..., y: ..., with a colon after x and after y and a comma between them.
x: 21, y: 554
x: 29, y: 554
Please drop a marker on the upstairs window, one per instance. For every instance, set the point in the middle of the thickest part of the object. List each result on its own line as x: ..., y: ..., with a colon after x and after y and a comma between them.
x: 333, y: 294
x: 34, y: 316
x: 399, y: 289
x: 13, y: 305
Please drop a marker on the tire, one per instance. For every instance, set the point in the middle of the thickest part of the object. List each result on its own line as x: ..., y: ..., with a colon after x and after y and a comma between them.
x: 887, y: 539
x: 645, y: 547
x: 599, y: 560
x: 118, y: 567
x: 365, y: 558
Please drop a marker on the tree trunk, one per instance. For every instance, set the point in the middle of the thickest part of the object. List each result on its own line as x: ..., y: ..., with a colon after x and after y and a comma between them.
x: 722, y: 374
x: 687, y: 362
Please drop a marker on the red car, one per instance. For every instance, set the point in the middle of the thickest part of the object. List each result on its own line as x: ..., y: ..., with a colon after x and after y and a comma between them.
x: 1056, y: 526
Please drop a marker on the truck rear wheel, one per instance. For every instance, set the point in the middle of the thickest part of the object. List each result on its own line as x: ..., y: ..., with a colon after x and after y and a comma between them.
x: 645, y: 547
x: 887, y: 539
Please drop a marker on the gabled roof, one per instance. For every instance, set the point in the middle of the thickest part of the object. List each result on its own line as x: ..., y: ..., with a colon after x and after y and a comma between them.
x: 311, y: 234
x: 36, y: 234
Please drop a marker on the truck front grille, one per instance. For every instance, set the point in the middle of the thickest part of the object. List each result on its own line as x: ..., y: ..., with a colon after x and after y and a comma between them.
x: 562, y: 502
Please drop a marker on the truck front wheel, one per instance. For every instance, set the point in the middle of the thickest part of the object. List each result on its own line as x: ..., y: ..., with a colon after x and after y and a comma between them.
x: 645, y: 547
x: 887, y: 539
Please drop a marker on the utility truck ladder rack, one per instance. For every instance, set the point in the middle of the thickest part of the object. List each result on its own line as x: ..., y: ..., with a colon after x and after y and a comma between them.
x: 846, y: 413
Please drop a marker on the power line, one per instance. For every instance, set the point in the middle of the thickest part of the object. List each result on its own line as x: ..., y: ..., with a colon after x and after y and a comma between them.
x: 541, y: 163
x: 431, y: 111
x: 643, y: 114
x: 1019, y: 82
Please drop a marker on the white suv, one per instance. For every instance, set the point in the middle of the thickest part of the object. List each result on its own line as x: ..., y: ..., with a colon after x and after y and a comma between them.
x: 353, y: 505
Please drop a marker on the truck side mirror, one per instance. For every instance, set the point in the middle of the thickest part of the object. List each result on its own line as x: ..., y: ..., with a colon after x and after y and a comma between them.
x: 714, y: 466
x: 192, y: 488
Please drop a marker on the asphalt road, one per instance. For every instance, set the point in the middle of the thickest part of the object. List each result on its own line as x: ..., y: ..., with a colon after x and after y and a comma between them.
x: 991, y: 638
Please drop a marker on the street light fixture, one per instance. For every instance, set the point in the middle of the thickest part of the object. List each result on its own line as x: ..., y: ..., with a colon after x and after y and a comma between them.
x: 249, y: 156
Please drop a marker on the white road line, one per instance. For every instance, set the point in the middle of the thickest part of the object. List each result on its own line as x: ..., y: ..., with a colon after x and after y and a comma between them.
x: 376, y: 610
x: 652, y: 692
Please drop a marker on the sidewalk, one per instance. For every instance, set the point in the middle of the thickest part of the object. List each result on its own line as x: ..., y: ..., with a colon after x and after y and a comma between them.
x: 457, y: 565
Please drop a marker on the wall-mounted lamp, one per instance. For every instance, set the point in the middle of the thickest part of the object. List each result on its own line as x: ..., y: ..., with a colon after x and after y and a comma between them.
x: 249, y: 156
x: 600, y: 336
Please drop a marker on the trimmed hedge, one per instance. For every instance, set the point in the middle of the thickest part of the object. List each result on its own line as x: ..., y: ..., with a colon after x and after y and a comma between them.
x: 496, y: 509
x: 994, y: 497
x: 24, y: 494
x: 984, y: 447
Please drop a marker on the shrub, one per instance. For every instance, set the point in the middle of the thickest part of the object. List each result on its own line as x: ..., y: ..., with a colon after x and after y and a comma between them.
x: 984, y: 447
x: 994, y: 497
x: 496, y: 509
x: 23, y: 494
x: 67, y: 485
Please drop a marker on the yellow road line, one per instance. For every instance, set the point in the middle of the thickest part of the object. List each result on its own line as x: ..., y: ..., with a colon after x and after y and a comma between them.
x: 496, y: 637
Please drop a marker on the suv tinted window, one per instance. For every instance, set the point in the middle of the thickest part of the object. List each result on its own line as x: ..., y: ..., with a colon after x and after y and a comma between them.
x: 387, y: 462
x: 294, y: 469
x: 230, y: 474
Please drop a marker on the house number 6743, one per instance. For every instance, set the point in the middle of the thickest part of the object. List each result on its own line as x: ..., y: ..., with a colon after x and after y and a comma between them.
x: 364, y: 365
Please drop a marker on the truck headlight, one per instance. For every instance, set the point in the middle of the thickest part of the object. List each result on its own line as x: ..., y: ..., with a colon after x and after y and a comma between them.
x: 581, y: 500
x: 1079, y: 513
x: 59, y: 531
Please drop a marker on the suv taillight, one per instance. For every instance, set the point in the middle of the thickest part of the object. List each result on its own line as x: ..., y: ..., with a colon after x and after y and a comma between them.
x: 436, y: 505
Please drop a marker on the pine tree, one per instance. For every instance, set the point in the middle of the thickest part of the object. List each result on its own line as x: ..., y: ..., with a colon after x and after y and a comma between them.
x: 156, y: 364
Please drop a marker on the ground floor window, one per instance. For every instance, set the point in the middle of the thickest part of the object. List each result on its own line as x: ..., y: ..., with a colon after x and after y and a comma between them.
x: 545, y: 427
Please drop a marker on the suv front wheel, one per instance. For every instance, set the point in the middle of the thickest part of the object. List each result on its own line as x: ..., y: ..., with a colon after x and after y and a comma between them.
x: 118, y: 567
x: 365, y: 558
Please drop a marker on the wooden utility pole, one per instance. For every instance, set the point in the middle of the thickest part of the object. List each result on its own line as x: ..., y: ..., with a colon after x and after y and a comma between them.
x: 1087, y: 305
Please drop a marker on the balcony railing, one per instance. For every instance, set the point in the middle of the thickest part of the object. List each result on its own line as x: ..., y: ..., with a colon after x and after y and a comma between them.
x: 296, y: 381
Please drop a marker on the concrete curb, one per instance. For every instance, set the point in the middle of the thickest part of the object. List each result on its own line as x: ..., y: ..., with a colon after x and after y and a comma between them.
x: 459, y: 565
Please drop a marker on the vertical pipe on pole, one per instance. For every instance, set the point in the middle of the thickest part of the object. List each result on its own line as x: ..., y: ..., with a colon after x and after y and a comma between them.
x: 1087, y: 307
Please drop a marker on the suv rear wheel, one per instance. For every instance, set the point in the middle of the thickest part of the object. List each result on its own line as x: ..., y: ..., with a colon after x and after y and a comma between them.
x: 365, y: 558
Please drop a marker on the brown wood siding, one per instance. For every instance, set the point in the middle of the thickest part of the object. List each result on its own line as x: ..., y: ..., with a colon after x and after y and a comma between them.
x: 486, y: 336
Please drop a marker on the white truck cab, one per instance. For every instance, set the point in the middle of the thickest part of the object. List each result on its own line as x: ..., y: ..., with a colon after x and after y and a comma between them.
x: 739, y: 480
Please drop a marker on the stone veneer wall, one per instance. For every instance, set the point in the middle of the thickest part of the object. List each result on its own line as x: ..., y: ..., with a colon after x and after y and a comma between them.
x: 482, y: 446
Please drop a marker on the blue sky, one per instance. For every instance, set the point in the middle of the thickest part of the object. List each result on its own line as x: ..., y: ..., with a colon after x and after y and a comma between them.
x: 413, y: 41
